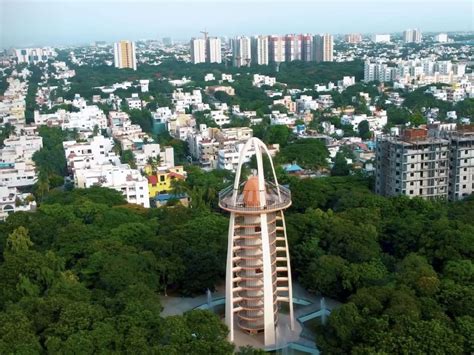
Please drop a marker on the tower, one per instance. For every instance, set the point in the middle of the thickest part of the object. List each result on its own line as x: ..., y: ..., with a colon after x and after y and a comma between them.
x: 258, y: 276
x: 124, y: 55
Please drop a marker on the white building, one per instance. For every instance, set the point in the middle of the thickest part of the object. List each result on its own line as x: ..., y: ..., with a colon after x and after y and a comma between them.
x: 259, y: 50
x: 12, y: 201
x: 241, y: 51
x: 276, y: 49
x: 86, y: 155
x: 129, y: 182
x: 34, y: 55
x: 412, y: 36
x: 260, y: 80
x: 378, y: 38
x: 441, y: 38
x: 323, y: 46
x: 144, y: 85
x: 134, y: 102
x: 214, y: 51
x: 182, y: 99
x: 198, y: 50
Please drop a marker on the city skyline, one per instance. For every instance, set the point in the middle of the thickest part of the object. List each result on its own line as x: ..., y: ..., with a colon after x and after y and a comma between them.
x: 184, y: 19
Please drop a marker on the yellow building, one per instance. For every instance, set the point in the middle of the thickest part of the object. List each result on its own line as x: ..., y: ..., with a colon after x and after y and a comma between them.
x: 161, y: 181
x: 124, y: 55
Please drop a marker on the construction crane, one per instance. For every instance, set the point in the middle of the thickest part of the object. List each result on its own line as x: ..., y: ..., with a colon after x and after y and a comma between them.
x: 205, y: 33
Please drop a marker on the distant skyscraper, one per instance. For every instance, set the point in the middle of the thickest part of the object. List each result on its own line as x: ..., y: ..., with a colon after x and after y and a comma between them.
x: 353, y: 38
x: 292, y: 47
x: 306, y: 48
x: 441, y: 38
x: 214, y: 50
x: 323, y: 48
x: 258, y: 274
x: 198, y: 50
x: 381, y: 38
x: 412, y: 36
x: 241, y: 51
x: 124, y: 55
x: 276, y: 48
x: 260, y: 50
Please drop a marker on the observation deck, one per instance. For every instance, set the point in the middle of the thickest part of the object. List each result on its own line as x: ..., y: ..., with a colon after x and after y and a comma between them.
x: 273, y: 202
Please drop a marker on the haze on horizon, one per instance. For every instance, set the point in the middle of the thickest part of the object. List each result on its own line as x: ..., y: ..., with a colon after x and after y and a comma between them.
x: 68, y: 22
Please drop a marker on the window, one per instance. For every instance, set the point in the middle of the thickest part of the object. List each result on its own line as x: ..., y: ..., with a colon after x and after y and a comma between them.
x: 258, y: 229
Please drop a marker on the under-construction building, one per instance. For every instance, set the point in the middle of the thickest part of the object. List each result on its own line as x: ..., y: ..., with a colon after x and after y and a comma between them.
x: 258, y: 275
x: 418, y: 163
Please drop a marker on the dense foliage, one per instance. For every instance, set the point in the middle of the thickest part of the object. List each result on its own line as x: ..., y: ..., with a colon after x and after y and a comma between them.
x: 84, y: 272
x: 403, y: 267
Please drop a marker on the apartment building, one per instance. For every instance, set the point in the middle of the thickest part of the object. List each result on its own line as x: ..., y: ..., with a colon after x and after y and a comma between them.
x: 241, y: 51
x: 276, y: 49
x: 260, y: 50
x: 323, y: 46
x: 124, y: 55
x: 421, y: 164
x: 129, y: 182
x: 198, y: 50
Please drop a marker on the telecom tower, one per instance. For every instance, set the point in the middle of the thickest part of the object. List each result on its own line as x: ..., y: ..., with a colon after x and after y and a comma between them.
x: 258, y: 276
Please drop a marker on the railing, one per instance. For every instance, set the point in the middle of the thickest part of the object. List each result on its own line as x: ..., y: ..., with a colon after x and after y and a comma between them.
x: 273, y: 200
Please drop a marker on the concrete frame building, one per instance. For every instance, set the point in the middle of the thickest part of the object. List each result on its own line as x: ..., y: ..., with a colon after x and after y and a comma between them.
x: 306, y: 48
x: 124, y: 55
x: 258, y: 274
x: 426, y: 165
x: 213, y: 50
x: 323, y: 46
x: 412, y: 36
x: 260, y: 50
x: 292, y: 47
x: 198, y: 50
x: 276, y: 49
x: 241, y: 51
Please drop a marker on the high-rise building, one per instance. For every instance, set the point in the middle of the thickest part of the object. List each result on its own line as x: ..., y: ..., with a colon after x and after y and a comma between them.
x: 306, y: 48
x: 353, y: 38
x: 441, y: 38
x: 292, y: 47
x: 198, y: 50
x: 412, y: 36
x: 258, y: 276
x: 377, y: 38
x: 124, y: 55
x: 260, y: 50
x: 33, y: 55
x: 241, y: 51
x: 276, y: 49
x: 426, y: 164
x: 213, y: 50
x: 323, y: 48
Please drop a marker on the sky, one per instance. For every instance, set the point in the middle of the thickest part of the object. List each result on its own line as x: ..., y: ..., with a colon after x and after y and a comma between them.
x: 68, y: 22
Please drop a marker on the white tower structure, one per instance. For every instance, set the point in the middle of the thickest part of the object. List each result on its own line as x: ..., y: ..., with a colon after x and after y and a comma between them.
x: 258, y: 277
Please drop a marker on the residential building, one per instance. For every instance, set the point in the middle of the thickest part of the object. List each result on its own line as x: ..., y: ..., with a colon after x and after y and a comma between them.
x: 461, y: 174
x: 198, y: 50
x: 161, y: 180
x: 241, y: 51
x: 323, y: 48
x: 129, y: 182
x: 441, y: 38
x: 412, y: 36
x: 292, y: 47
x: 124, y: 55
x: 353, y: 38
x: 306, y: 48
x: 381, y: 38
x: 260, y: 80
x: 260, y: 50
x: 12, y: 201
x: 428, y: 163
x: 213, y: 50
x: 34, y: 55
x: 276, y: 49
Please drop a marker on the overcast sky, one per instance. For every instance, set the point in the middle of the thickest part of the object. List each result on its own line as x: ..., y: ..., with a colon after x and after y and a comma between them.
x: 54, y: 22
